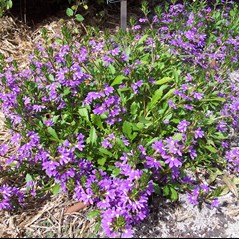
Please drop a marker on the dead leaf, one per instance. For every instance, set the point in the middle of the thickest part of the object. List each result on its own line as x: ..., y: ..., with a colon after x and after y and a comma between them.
x: 225, y: 190
x: 76, y: 207
x: 232, y: 186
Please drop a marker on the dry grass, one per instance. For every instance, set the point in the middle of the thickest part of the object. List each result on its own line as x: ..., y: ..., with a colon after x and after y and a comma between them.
x: 47, y: 220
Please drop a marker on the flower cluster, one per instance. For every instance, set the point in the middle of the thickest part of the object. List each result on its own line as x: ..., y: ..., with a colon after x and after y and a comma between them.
x: 10, y: 197
x: 201, y: 194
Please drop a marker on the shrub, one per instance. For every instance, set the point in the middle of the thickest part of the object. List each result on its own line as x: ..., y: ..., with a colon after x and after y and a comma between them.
x: 113, y: 120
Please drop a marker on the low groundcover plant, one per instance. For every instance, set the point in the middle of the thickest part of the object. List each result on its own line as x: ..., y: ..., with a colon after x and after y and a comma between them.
x: 114, y: 120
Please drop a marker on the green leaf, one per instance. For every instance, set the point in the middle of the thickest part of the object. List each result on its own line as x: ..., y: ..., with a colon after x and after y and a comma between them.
x: 144, y: 122
x: 53, y: 133
x: 173, y: 194
x: 225, y: 190
x: 96, y: 120
x: 9, y: 4
x: 164, y: 80
x: 177, y: 136
x: 93, y: 135
x: 66, y: 91
x: 134, y: 108
x: 118, y: 80
x: 105, y: 151
x: 112, y: 69
x: 79, y: 17
x: 211, y: 149
x: 56, y: 189
x: 84, y: 113
x: 142, y: 39
x: 51, y: 77
x: 233, y: 13
x: 214, y: 175
x: 156, y: 188
x: 101, y: 161
x: 235, y: 180
x: 152, y: 141
x: 128, y: 129
x: 94, y: 213
x: 28, y: 178
x: 166, y: 190
x: 69, y: 12
x: 168, y: 94
x: 116, y: 172
x: 218, y: 135
x: 176, y: 74
x: 214, y: 99
x: 97, y: 227
x: 156, y: 97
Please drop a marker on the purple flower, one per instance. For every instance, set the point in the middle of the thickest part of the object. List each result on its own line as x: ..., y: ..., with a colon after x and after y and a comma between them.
x: 48, y: 122
x: 159, y: 146
x: 80, y: 141
x: 108, y: 90
x: 142, y: 19
x: 10, y: 197
x: 232, y: 157
x: 172, y: 146
x: 107, y: 60
x: 16, y: 138
x: 172, y: 161
x: 38, y: 108
x: 152, y: 163
x: 197, y: 95
x: 193, y: 196
x: 204, y: 187
x: 222, y: 126
x: 100, y: 110
x: 190, y: 19
x: 92, y: 96
x: 115, y: 52
x: 107, y: 142
x: 155, y: 19
x: 184, y: 87
x: 136, y: 27
x: 3, y: 149
x: 215, y: 203
x: 166, y: 121
x: 225, y: 145
x: 126, y: 141
x: 188, y: 107
x: 189, y: 78
x: 182, y: 126
x: 116, y: 223
x: 198, y: 133
x: 136, y: 85
x: 171, y: 104
x: 142, y: 149
x: 192, y: 152
x: 50, y: 167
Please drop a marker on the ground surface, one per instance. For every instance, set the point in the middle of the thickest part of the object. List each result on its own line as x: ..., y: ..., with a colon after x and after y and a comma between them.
x: 46, y: 218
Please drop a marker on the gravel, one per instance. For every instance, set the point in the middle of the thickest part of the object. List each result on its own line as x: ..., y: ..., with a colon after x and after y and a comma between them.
x: 182, y: 219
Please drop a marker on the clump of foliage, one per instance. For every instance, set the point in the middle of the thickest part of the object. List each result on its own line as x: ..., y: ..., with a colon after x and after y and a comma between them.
x: 5, y: 5
x: 114, y: 120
